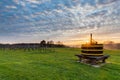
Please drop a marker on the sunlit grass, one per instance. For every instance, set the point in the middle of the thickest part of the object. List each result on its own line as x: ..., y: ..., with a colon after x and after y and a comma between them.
x: 55, y: 64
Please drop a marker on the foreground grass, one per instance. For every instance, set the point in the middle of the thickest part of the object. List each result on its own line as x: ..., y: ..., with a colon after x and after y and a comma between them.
x: 55, y: 64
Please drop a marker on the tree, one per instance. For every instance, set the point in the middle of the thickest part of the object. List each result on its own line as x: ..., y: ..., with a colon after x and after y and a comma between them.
x: 43, y: 43
x: 50, y: 43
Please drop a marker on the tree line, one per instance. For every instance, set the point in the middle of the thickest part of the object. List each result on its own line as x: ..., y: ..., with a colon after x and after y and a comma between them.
x: 42, y: 44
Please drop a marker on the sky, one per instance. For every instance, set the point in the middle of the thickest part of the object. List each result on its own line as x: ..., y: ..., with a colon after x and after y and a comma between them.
x: 69, y: 21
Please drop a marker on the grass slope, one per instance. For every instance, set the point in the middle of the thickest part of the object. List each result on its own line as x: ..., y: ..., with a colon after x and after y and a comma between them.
x: 55, y: 64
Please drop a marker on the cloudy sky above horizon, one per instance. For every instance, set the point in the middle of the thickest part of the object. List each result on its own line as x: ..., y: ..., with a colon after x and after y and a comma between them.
x: 59, y: 20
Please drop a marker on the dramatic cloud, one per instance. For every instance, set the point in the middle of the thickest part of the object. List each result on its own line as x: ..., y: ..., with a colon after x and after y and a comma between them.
x: 32, y: 20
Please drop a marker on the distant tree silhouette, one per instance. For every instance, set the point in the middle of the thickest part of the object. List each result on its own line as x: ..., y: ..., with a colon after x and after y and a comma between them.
x: 32, y: 46
x: 43, y: 43
x: 50, y: 43
x: 60, y: 44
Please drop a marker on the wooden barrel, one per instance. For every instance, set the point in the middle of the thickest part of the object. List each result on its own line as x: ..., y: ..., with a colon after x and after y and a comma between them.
x: 92, y: 49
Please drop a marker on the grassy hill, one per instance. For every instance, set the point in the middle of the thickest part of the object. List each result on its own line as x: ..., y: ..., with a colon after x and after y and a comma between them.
x: 55, y: 64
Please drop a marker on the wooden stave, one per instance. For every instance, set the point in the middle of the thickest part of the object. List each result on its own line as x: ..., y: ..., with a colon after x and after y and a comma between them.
x: 92, y: 50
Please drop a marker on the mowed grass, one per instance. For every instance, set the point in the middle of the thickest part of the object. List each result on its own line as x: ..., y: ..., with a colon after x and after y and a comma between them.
x: 55, y: 64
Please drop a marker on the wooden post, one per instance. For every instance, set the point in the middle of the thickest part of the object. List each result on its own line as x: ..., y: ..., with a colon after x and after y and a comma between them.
x: 91, y: 38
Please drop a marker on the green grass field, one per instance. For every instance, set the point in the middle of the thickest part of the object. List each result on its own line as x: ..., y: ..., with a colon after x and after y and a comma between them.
x: 55, y: 64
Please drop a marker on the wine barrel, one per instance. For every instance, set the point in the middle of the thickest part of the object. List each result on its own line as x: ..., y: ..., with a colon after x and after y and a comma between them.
x: 92, y: 49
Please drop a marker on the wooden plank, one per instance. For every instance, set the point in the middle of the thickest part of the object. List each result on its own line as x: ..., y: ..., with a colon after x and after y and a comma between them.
x: 91, y: 54
x: 91, y: 47
x: 94, y: 52
x: 94, y: 45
